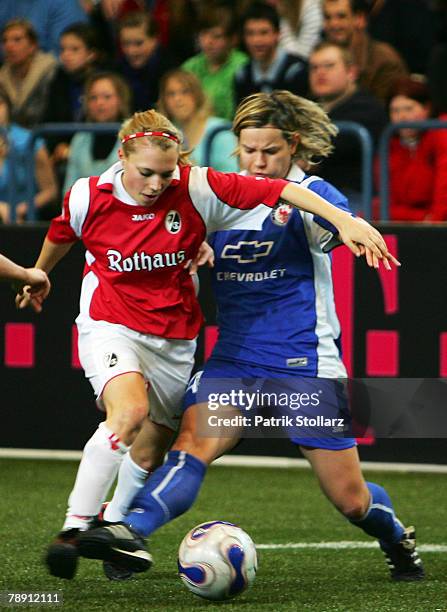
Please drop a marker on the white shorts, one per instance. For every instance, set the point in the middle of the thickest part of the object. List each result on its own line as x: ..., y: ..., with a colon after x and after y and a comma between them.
x: 107, y: 350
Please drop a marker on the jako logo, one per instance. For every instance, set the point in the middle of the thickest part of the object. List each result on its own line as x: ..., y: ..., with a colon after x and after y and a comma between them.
x: 146, y: 217
x: 173, y: 222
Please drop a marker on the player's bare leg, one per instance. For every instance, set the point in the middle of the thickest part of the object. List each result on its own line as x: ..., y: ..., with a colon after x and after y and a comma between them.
x: 207, y: 443
x: 126, y: 403
x: 368, y: 506
x: 341, y: 479
x: 170, y: 491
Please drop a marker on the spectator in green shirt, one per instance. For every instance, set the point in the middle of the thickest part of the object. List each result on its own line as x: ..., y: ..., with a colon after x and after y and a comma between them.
x: 218, y: 60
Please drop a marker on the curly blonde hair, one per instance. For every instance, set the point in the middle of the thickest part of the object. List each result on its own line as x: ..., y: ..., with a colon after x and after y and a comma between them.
x: 299, y: 120
x: 151, y: 120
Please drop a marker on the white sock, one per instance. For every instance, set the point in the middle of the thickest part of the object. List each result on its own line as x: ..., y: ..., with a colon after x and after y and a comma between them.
x: 131, y: 478
x: 99, y: 465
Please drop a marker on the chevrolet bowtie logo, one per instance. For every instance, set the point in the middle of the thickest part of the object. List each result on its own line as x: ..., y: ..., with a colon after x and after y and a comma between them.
x: 247, y: 252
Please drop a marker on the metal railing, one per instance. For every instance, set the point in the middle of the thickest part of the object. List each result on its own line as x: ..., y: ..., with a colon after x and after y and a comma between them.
x: 384, y: 156
x: 48, y: 129
x: 366, y: 144
x: 11, y: 179
x: 207, y: 145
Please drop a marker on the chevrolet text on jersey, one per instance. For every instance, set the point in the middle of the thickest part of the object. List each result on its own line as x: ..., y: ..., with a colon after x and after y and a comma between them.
x: 143, y: 261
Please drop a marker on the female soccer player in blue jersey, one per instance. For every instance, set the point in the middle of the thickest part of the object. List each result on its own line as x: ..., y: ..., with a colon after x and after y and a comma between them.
x: 277, y: 319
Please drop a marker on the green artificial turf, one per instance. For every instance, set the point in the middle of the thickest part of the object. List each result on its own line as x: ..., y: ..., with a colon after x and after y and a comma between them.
x: 275, y: 506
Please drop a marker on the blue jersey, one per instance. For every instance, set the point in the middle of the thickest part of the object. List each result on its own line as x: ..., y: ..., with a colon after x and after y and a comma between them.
x: 274, y: 290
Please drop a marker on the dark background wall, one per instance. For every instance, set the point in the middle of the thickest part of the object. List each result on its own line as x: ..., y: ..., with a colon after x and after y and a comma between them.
x: 395, y: 324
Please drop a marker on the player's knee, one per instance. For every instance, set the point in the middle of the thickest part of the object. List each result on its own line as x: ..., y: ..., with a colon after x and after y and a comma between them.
x: 353, y: 506
x: 128, y: 421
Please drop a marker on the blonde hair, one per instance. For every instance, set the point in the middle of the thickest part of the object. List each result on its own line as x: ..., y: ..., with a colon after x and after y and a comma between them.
x: 192, y: 84
x: 296, y: 117
x: 151, y: 120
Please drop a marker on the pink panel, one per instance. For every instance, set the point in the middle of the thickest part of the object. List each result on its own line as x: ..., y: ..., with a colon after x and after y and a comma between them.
x: 19, y: 345
x: 368, y: 439
x: 343, y: 276
x: 75, y: 363
x: 382, y: 353
x: 211, y: 335
x: 443, y: 355
x: 389, y: 279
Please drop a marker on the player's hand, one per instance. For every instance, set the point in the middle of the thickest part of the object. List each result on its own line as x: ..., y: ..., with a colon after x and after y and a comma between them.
x: 363, y: 239
x: 205, y: 255
x: 34, y: 290
x: 373, y: 261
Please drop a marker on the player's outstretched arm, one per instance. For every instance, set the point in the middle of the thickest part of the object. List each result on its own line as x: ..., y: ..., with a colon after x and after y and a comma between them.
x: 357, y: 234
x: 36, y: 279
x: 49, y: 256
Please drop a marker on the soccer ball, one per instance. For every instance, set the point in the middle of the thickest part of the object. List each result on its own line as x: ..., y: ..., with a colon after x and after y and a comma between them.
x: 217, y: 560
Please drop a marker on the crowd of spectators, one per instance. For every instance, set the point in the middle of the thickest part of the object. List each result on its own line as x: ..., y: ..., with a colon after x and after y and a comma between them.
x: 95, y: 61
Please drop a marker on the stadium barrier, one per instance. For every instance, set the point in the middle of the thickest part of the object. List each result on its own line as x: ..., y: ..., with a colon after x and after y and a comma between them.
x: 344, y: 126
x: 49, y: 129
x: 12, y: 159
x: 384, y: 156
x: 393, y: 325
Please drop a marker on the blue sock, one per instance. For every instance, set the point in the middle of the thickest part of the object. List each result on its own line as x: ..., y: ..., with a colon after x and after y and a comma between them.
x: 170, y: 491
x: 380, y: 520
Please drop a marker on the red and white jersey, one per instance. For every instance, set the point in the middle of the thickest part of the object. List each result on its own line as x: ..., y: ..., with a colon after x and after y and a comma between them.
x: 136, y: 255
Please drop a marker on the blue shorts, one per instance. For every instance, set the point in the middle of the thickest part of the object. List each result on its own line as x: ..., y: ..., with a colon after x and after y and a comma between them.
x: 320, y: 401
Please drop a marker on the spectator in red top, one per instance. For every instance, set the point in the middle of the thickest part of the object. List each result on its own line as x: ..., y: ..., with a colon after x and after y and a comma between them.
x: 418, y: 158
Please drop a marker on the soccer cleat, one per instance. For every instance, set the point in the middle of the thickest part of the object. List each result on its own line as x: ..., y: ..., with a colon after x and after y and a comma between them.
x: 403, y: 559
x: 118, y: 544
x: 115, y: 572
x: 62, y: 555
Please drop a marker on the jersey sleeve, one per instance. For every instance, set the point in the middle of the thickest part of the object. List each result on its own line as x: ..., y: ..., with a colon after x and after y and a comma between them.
x: 67, y: 227
x: 324, y: 233
x: 232, y: 201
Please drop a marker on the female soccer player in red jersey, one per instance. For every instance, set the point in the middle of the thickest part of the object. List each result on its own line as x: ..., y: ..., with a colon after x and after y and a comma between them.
x: 141, y: 222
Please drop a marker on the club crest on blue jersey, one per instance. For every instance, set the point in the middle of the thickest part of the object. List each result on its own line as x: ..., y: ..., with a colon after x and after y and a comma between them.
x: 281, y: 214
x: 173, y: 222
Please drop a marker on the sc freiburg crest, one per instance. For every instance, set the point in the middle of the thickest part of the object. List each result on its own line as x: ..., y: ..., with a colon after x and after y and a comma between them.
x: 173, y: 222
x: 110, y: 360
